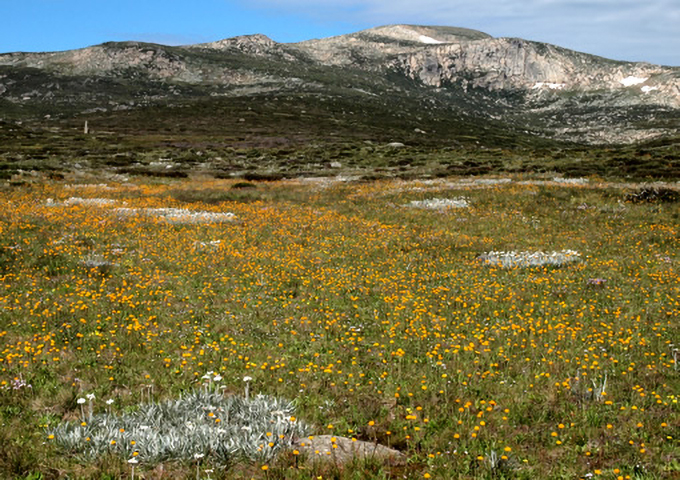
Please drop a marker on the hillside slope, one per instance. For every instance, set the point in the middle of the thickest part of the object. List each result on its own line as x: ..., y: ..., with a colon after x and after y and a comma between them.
x: 447, y: 79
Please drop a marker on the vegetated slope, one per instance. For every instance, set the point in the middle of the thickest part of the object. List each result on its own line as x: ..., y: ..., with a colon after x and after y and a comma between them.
x: 456, y: 85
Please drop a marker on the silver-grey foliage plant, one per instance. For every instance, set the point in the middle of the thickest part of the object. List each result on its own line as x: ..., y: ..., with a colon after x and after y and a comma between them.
x: 199, y: 423
x: 529, y: 259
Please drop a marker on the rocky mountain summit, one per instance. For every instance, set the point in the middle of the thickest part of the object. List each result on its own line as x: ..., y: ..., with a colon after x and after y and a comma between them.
x: 439, y: 56
x: 418, y: 73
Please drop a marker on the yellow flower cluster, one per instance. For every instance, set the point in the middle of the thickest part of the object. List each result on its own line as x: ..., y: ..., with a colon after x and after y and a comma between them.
x: 379, y: 318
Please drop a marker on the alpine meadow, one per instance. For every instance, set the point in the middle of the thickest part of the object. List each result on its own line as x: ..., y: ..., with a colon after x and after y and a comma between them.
x: 408, y: 252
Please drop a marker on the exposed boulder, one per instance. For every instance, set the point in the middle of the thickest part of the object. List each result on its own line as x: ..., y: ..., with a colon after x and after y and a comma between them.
x: 342, y: 450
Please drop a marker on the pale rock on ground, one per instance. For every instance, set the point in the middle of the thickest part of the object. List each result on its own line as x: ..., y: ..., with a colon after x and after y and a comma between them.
x: 342, y: 450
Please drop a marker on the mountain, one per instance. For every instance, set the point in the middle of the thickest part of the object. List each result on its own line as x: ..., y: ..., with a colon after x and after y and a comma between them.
x: 405, y: 82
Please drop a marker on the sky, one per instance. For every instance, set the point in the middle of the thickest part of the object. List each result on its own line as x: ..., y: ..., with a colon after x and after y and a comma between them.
x: 634, y: 30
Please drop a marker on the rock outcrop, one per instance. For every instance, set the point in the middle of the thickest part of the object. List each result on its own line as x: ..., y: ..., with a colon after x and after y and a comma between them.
x: 343, y: 450
x: 440, y: 57
x: 509, y: 63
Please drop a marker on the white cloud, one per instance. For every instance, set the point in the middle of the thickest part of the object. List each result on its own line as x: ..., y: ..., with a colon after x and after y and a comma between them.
x: 622, y: 29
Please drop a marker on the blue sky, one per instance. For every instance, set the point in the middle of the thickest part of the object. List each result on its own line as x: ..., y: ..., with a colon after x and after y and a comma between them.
x: 639, y: 30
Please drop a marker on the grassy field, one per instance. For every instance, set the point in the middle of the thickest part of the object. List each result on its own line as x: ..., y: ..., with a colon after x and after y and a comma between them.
x: 373, y: 314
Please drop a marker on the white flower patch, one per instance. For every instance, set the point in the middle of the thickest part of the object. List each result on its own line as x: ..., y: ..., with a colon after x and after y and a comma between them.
x: 440, y: 203
x: 98, y: 202
x: 90, y: 202
x: 492, y: 181
x: 530, y: 259
x: 178, y: 215
x: 193, y: 426
x: 571, y: 181
x: 97, y: 262
x: 211, y: 244
x: 98, y: 186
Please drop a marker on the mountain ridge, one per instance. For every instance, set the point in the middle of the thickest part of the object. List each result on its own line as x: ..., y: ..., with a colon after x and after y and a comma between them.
x: 555, y: 92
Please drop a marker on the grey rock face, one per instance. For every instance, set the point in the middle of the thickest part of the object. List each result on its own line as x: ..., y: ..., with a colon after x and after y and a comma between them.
x: 256, y: 45
x: 568, y: 95
x: 502, y: 63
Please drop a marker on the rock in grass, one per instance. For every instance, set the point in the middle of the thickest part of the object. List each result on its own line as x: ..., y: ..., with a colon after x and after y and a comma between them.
x: 342, y: 450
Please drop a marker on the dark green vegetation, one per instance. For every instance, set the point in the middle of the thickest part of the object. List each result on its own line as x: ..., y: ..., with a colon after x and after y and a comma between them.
x: 252, y: 108
x: 269, y: 137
